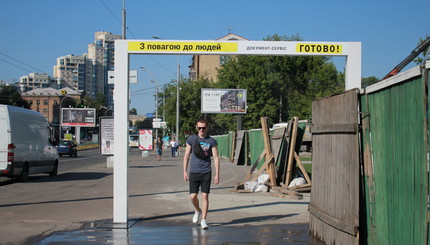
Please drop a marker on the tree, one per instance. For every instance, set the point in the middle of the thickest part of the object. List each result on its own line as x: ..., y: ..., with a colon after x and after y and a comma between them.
x: 367, y: 81
x: 189, y: 109
x: 133, y: 111
x: 279, y: 87
x: 10, y: 96
x: 420, y: 60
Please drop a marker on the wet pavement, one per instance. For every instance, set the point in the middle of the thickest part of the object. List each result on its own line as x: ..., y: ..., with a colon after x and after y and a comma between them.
x: 76, y: 208
x: 159, y: 232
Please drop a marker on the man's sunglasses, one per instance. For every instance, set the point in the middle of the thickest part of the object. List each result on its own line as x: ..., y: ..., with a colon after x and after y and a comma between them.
x: 201, y: 128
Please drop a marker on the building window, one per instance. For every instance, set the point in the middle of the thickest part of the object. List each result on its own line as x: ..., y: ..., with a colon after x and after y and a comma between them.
x: 55, y: 102
x: 45, y: 102
x: 45, y: 111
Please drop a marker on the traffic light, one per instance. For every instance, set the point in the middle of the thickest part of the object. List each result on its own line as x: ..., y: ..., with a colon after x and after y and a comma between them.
x: 81, y: 105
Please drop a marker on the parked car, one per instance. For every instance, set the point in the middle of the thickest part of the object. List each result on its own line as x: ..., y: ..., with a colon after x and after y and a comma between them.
x: 25, y: 144
x: 67, y: 147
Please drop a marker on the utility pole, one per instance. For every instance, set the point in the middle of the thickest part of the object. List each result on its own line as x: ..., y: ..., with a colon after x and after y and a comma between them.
x: 124, y: 26
x: 177, y: 102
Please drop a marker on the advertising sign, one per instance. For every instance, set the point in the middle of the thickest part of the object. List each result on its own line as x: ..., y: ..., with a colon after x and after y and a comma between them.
x: 106, y: 135
x: 81, y: 117
x: 223, y: 101
x: 145, y: 139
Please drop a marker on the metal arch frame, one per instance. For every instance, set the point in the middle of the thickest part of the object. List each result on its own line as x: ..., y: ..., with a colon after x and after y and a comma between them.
x: 125, y: 48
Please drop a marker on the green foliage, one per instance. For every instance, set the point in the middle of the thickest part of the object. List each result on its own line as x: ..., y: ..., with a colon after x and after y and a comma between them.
x: 89, y: 102
x: 420, y: 60
x: 133, y: 111
x: 367, y: 81
x: 279, y: 87
x: 10, y: 96
x: 145, y: 124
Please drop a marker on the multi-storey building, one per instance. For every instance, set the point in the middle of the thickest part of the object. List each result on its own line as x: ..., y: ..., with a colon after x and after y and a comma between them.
x: 206, y: 66
x: 70, y: 71
x: 102, y: 55
x: 49, y: 101
x: 34, y: 80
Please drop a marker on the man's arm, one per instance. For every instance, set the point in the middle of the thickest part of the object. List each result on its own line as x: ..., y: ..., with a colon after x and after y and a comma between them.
x: 217, y: 164
x: 185, y: 161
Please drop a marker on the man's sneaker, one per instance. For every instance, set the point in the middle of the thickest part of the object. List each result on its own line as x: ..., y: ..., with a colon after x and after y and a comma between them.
x: 196, y: 217
x: 203, y: 224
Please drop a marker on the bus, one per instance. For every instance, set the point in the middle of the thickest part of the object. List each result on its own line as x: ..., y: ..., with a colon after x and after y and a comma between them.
x: 133, y: 140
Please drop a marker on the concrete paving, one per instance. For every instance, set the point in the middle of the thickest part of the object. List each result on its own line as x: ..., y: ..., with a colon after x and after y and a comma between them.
x: 79, y: 210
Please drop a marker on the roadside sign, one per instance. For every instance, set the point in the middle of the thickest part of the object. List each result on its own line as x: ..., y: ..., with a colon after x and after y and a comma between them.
x: 132, y: 77
x: 107, y: 135
x: 145, y: 139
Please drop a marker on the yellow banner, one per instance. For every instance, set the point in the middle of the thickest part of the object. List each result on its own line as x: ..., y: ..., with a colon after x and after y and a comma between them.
x: 182, y: 47
x: 318, y: 48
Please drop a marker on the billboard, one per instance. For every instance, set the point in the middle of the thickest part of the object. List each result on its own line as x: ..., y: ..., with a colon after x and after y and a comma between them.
x: 81, y: 117
x: 145, y: 139
x: 106, y: 135
x: 223, y: 101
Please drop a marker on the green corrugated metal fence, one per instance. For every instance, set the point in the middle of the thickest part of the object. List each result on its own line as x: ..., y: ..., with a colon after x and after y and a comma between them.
x: 395, y: 164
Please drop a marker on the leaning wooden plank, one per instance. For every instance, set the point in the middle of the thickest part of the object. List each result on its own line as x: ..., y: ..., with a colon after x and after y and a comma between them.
x: 277, y: 140
x: 269, y: 153
x: 308, y: 180
x: 283, y: 167
x: 264, y: 167
x: 254, y: 166
x: 233, y: 145
x: 239, y: 140
x: 293, y: 139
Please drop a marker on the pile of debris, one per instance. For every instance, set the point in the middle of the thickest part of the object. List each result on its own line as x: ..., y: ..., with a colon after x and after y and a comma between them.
x: 278, y: 179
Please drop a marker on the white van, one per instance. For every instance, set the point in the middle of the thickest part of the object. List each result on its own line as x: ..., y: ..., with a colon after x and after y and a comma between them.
x: 24, y: 144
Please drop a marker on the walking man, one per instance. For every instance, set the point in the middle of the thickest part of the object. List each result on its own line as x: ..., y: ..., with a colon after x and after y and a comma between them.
x: 201, y: 147
x: 159, y: 148
x: 174, y: 146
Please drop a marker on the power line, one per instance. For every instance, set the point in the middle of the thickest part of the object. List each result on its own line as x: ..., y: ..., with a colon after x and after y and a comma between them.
x: 16, y: 65
x: 21, y: 63
x: 117, y: 19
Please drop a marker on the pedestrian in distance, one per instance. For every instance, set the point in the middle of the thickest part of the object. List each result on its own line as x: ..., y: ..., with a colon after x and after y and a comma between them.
x: 174, y: 146
x: 159, y: 148
x: 201, y: 147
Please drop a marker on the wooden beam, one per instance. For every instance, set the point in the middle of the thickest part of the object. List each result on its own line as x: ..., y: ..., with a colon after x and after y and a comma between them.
x: 268, y: 149
x: 293, y: 140
x: 308, y: 180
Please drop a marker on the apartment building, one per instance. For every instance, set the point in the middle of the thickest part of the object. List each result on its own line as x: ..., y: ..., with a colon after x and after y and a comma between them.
x: 102, y: 56
x: 70, y: 71
x: 34, y: 80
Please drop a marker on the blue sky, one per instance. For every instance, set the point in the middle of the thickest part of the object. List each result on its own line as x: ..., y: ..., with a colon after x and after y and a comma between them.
x: 35, y: 33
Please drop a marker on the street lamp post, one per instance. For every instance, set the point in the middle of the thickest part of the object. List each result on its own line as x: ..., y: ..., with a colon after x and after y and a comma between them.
x: 156, y: 105
x: 177, y: 102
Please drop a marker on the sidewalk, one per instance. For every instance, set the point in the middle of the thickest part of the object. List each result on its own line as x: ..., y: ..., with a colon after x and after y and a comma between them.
x: 160, y: 211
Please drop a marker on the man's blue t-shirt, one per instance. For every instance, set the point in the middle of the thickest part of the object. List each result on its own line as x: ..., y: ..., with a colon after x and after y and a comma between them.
x: 198, y: 165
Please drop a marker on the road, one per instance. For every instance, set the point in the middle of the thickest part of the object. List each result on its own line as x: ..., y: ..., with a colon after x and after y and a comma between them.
x: 85, y: 158
x: 81, y: 196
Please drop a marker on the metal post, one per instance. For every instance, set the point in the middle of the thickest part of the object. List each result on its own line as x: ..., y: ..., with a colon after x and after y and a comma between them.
x: 156, y: 107
x: 177, y: 102
x: 124, y: 25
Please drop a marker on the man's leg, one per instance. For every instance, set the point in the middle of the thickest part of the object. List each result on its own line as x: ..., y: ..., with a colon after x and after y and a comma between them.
x: 205, y: 205
x: 195, y: 201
